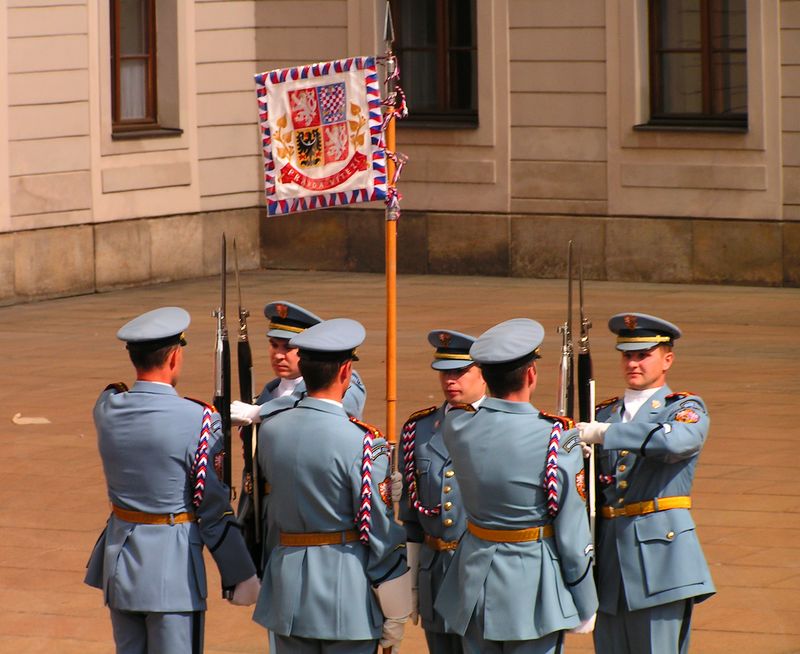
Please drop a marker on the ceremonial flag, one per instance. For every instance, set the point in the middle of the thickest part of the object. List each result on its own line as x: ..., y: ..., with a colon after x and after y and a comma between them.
x: 321, y: 133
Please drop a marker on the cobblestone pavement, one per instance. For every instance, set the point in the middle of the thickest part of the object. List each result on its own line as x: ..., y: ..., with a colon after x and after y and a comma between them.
x: 739, y: 352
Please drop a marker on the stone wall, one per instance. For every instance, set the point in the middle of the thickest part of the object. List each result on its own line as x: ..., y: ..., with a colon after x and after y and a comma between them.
x: 46, y: 263
x: 669, y: 250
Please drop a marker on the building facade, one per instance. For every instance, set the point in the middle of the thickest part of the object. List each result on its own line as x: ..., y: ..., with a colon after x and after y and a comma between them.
x: 129, y: 139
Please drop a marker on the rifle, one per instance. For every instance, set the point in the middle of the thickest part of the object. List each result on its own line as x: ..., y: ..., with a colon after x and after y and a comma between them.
x: 566, y: 384
x: 222, y: 384
x: 248, y: 512
x: 586, y: 400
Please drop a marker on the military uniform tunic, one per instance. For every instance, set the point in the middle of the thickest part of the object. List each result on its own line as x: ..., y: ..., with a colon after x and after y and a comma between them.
x: 311, y: 455
x: 654, y: 559
x: 437, y: 485
x: 147, y: 439
x: 515, y: 591
x: 355, y: 396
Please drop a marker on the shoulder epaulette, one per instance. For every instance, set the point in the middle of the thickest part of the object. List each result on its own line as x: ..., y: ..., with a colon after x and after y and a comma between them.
x: 605, y: 403
x: 367, y: 427
x: 120, y: 387
x: 421, y: 413
x: 566, y: 422
x: 679, y: 395
x: 463, y: 407
x: 206, y: 405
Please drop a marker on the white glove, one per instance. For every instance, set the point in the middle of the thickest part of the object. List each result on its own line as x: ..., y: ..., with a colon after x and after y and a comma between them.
x: 593, y: 433
x: 587, y: 450
x: 392, y: 636
x: 397, y: 486
x: 246, y: 592
x: 585, y: 627
x: 413, y: 550
x: 245, y: 414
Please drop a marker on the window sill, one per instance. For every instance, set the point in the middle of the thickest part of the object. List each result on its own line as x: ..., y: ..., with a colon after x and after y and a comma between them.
x: 437, y: 124
x: 691, y: 127
x: 133, y: 134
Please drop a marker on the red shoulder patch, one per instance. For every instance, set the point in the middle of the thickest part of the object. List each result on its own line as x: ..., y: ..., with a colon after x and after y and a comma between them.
x: 566, y: 422
x: 205, y: 405
x: 678, y: 395
x: 580, y: 483
x: 120, y: 387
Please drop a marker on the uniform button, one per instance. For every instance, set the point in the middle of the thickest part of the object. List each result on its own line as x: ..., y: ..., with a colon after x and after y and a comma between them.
x: 624, y: 453
x: 450, y: 473
x: 622, y: 467
x: 447, y: 489
x: 620, y: 500
x: 448, y: 522
x: 448, y: 506
x: 623, y: 484
x: 670, y: 535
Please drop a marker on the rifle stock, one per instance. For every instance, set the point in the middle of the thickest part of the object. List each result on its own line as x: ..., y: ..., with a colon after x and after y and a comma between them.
x: 249, y: 510
x: 222, y: 384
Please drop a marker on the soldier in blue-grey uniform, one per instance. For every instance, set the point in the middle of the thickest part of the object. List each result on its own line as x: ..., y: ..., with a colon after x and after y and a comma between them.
x: 167, y: 501
x: 287, y: 320
x: 337, y: 581
x: 651, y: 566
x: 521, y: 575
x: 431, y: 506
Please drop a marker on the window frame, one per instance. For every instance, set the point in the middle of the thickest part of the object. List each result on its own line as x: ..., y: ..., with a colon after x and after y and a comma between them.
x: 705, y: 119
x: 150, y: 121
x: 445, y: 115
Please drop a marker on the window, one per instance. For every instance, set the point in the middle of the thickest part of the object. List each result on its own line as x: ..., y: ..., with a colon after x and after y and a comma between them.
x: 436, y: 46
x: 133, y: 65
x: 698, y: 63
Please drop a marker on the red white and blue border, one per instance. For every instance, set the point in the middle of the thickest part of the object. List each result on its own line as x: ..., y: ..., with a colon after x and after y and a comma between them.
x: 293, y: 183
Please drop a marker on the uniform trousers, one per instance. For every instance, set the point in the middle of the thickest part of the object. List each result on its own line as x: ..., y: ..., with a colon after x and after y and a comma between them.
x: 298, y: 645
x: 443, y: 643
x: 158, y: 633
x: 658, y: 630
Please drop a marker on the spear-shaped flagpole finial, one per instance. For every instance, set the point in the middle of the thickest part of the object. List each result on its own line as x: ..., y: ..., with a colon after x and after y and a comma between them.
x: 388, y: 28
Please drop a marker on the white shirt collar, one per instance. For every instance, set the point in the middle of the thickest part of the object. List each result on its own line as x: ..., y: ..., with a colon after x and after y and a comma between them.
x: 475, y: 404
x: 634, y: 400
x: 334, y: 402
x: 286, y: 387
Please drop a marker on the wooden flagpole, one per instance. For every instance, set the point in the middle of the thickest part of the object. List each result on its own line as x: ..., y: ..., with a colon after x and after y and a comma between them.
x: 391, y: 251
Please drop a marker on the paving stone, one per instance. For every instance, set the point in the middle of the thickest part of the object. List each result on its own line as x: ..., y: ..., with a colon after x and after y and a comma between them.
x: 739, y: 342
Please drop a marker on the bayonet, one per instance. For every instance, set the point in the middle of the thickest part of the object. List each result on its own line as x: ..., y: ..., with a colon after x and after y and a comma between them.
x: 586, y: 400
x: 565, y: 376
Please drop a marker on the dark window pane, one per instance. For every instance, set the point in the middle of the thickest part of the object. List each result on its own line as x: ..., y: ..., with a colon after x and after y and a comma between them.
x: 418, y: 80
x: 699, y: 61
x: 463, y: 94
x: 728, y: 25
x: 680, y: 25
x: 132, y: 27
x: 729, y: 92
x: 418, y: 23
x: 462, y: 24
x: 682, y: 83
x: 436, y: 48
